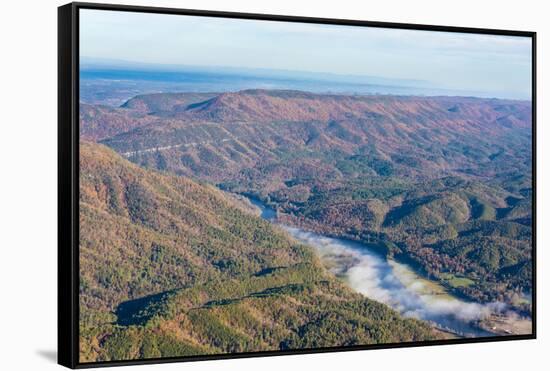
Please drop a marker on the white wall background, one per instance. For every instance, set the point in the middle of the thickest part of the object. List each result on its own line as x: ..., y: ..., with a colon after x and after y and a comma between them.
x: 28, y: 156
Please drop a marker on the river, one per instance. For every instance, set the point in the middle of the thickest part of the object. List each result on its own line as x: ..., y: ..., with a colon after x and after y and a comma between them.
x: 398, y: 285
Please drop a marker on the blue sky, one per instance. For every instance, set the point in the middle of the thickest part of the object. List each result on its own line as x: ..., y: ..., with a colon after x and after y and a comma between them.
x: 488, y: 63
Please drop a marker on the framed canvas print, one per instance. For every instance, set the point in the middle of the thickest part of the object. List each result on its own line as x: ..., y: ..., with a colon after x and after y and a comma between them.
x: 235, y: 185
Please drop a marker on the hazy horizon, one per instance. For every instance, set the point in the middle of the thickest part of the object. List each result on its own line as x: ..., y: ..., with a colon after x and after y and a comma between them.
x: 494, y: 66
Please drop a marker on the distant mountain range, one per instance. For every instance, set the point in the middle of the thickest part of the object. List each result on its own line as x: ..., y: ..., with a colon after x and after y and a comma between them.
x: 91, y: 64
x: 418, y: 136
x: 112, y: 82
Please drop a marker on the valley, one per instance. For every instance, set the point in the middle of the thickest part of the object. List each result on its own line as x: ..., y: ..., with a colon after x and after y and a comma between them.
x: 438, y: 188
x: 396, y: 284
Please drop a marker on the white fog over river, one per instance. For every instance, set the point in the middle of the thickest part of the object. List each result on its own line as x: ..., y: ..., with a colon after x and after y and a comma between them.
x: 395, y: 284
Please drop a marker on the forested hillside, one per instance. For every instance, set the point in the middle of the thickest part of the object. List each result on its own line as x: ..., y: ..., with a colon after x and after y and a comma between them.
x: 172, y: 267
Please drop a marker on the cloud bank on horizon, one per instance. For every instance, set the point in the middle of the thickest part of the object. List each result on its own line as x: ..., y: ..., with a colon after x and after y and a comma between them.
x: 475, y: 62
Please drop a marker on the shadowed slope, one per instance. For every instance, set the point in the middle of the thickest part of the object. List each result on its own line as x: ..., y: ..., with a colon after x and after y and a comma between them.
x: 170, y: 267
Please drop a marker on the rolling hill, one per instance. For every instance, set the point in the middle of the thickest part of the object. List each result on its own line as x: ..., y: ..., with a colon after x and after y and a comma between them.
x: 172, y: 267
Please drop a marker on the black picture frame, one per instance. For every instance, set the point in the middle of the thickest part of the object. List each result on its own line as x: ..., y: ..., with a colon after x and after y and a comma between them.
x: 68, y: 179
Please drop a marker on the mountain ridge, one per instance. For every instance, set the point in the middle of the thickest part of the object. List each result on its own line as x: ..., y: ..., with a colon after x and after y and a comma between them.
x: 268, y: 105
